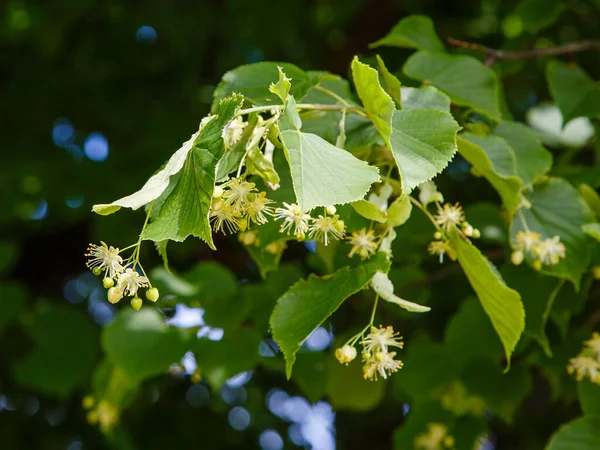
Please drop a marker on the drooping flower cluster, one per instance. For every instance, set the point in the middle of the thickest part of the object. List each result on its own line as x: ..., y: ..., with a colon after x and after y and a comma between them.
x: 436, y: 438
x: 587, y: 363
x: 377, y: 359
x: 447, y: 218
x: 547, y: 251
x: 120, y: 277
x: 236, y: 204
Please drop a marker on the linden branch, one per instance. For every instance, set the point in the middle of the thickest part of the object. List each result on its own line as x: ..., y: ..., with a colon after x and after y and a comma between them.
x: 493, y: 55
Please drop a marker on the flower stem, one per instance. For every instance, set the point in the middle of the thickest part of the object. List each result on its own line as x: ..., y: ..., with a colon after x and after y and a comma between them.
x: 422, y: 207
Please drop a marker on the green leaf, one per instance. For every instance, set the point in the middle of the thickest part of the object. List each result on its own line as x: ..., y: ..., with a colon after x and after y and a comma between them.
x: 65, y: 350
x: 536, y: 15
x: 580, y: 434
x: 502, y: 304
x: 503, y: 393
x: 378, y: 104
x: 311, y: 374
x: 591, y: 197
x: 233, y: 156
x: 412, y: 32
x: 257, y: 164
x: 465, y: 79
x: 532, y: 159
x: 142, y: 344
x: 253, y: 82
x: 235, y: 353
x: 470, y: 335
x: 399, y: 211
x: 282, y: 88
x: 426, y: 97
x: 322, y: 174
x: 13, y: 297
x: 186, y: 210
x: 538, y: 293
x: 558, y: 210
x: 423, y: 142
x: 392, y: 84
x: 161, y: 248
x: 385, y: 289
x: 589, y: 397
x: 348, y: 391
x: 592, y: 230
x: 308, y: 303
x: 369, y: 211
x: 575, y: 93
x: 493, y: 161
x: 8, y: 255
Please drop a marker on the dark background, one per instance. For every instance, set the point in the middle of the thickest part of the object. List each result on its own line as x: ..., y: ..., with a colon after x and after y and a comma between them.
x: 72, y: 68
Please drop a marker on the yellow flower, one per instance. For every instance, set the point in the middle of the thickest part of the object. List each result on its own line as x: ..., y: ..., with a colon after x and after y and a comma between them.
x: 526, y: 240
x: 381, y: 363
x: 381, y: 339
x: 550, y: 250
x: 237, y: 193
x: 585, y: 366
x: 593, y: 344
x: 449, y: 216
x: 104, y: 257
x: 294, y: 218
x: 436, y: 438
x: 345, y: 354
x: 324, y: 226
x: 440, y: 248
x: 364, y: 243
x: 223, y: 217
x: 256, y: 207
x: 130, y: 281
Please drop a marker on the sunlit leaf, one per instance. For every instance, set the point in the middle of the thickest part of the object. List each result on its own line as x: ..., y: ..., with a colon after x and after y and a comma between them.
x: 580, y: 434
x: 427, y: 97
x: 322, y: 174
x: 185, y: 211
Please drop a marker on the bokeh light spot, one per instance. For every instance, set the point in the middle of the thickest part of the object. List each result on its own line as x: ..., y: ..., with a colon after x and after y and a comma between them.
x: 63, y: 132
x: 146, y: 35
x: 40, y: 211
x: 239, y: 418
x: 270, y: 440
x: 96, y: 147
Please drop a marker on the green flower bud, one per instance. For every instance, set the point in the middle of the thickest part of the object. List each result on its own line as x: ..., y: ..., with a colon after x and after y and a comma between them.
x: 97, y: 271
x: 136, y: 303
x: 114, y: 295
x: 152, y: 294
x: 108, y: 283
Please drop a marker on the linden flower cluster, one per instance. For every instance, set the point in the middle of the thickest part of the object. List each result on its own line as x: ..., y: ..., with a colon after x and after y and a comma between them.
x: 587, y: 363
x: 364, y: 243
x: 449, y: 216
x: 377, y: 358
x: 236, y: 203
x: 436, y: 438
x: 324, y: 228
x: 102, y: 413
x: 120, y: 278
x: 548, y: 251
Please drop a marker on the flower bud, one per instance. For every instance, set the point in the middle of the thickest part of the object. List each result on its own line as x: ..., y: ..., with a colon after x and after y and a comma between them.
x: 247, y: 238
x: 330, y: 210
x: 218, y: 192
x: 537, y: 265
x: 97, y: 271
x: 437, y: 235
x: 216, y: 204
x: 476, y: 233
x: 114, y: 295
x: 152, y: 294
x: 345, y: 354
x: 136, y: 303
x: 108, y: 283
x: 468, y: 229
x: 380, y: 356
x: 92, y: 417
x: 517, y: 257
x: 339, y: 225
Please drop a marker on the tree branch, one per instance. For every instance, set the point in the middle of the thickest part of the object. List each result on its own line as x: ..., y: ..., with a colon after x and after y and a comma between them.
x: 493, y: 55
